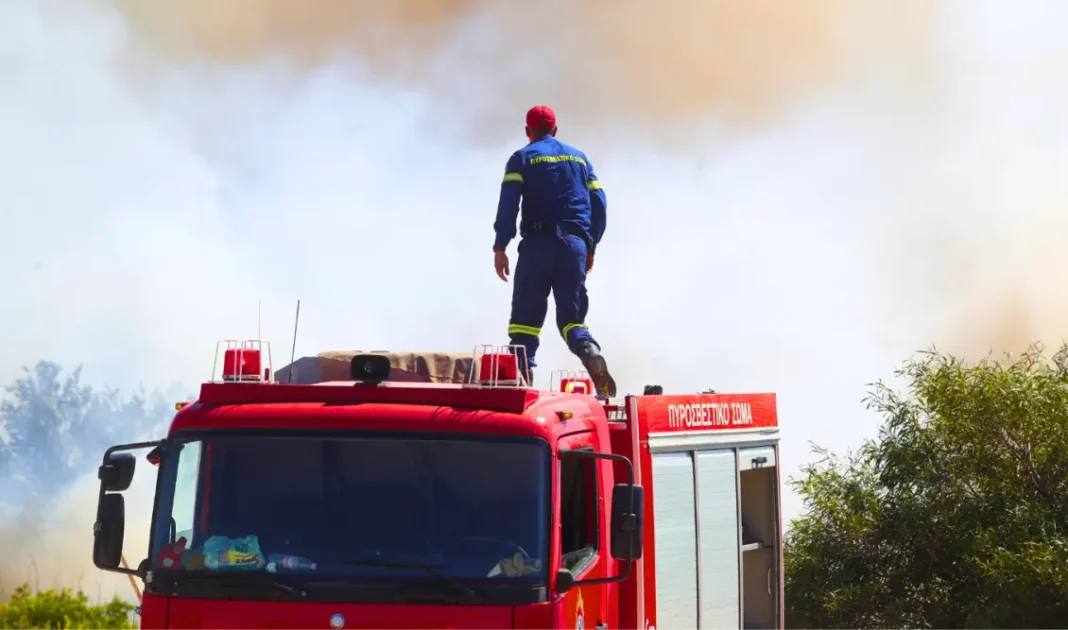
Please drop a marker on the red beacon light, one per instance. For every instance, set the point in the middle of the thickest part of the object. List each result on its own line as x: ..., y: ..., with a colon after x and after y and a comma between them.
x: 572, y: 381
x: 243, y: 361
x: 498, y: 366
x: 576, y: 385
x: 241, y: 365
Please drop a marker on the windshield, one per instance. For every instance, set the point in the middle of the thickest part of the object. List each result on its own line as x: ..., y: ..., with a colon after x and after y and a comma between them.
x: 370, y: 509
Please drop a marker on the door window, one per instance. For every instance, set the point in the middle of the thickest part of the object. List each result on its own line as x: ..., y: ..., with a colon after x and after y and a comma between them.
x: 578, y: 512
x: 183, y: 508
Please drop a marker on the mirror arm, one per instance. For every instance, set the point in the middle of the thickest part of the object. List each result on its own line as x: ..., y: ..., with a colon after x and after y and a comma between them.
x: 129, y: 447
x: 610, y: 456
x: 608, y: 580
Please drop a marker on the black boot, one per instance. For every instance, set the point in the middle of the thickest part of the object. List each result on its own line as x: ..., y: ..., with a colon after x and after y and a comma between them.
x: 595, y: 364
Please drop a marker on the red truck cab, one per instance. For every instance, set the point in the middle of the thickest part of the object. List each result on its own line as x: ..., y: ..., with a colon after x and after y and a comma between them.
x: 358, y: 490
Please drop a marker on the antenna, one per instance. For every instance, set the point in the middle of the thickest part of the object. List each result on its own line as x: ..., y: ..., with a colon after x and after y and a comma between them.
x: 259, y: 320
x: 293, y: 353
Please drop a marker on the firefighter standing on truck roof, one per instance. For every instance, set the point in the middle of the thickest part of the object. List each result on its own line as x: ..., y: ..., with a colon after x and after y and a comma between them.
x: 564, y: 214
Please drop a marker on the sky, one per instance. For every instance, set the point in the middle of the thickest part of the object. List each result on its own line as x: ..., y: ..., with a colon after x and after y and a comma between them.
x: 800, y: 195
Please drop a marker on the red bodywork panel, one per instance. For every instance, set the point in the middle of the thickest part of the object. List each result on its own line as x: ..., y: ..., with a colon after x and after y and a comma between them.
x: 707, y: 412
x: 623, y: 430
x: 221, y: 613
x: 510, y: 400
x: 415, y: 407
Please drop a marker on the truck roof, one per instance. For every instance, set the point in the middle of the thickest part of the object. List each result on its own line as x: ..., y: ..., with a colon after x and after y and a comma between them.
x: 433, y: 388
x: 446, y: 405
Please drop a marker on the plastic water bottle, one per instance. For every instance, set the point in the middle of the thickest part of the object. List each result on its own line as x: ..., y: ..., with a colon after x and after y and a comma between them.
x: 280, y: 561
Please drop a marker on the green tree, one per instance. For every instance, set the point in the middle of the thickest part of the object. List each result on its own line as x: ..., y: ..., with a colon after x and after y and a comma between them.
x: 58, y: 427
x: 956, y: 515
x: 63, y: 609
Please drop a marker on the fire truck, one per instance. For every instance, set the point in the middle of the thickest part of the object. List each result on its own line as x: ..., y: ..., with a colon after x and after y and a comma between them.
x: 434, y: 490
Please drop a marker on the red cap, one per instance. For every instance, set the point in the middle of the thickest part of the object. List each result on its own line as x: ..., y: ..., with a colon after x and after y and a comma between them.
x: 541, y: 117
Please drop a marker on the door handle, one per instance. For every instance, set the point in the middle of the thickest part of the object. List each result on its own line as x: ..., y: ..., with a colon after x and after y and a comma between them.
x: 769, y: 582
x: 601, y: 626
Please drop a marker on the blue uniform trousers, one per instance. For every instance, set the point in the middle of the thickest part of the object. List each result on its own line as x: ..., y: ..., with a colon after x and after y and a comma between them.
x: 557, y: 263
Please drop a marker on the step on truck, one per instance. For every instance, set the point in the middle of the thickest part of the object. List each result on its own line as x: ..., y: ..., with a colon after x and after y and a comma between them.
x: 431, y: 490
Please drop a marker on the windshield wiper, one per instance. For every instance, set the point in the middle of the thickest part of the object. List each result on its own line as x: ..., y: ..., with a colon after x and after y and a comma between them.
x: 236, y: 580
x: 430, y: 569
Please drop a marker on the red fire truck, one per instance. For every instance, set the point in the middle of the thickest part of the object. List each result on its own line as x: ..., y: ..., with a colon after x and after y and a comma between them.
x: 426, y: 490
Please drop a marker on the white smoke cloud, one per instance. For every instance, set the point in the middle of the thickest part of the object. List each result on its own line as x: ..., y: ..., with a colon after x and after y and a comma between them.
x: 49, y: 544
x: 153, y: 203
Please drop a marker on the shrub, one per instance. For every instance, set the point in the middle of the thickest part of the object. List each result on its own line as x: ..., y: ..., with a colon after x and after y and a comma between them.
x: 956, y: 516
x: 63, y: 609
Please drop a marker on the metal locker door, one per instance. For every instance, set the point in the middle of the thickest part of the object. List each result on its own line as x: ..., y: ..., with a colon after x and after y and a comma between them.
x: 719, y: 538
x: 675, y: 535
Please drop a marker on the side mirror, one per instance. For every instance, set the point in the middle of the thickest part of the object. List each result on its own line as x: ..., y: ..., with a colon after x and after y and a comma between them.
x: 117, y: 472
x: 109, y: 530
x: 628, y: 521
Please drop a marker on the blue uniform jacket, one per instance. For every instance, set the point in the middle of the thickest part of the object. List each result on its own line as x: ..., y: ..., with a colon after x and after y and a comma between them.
x: 557, y: 185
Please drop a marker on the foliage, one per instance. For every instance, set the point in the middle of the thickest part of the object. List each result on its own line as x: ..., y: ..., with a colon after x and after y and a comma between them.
x: 57, y: 427
x: 955, y: 516
x: 49, y: 609
x: 53, y: 429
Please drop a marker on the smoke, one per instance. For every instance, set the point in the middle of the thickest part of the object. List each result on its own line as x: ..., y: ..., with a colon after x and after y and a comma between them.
x: 600, y: 62
x: 800, y: 194
x: 48, y: 544
x: 971, y: 240
x: 55, y: 430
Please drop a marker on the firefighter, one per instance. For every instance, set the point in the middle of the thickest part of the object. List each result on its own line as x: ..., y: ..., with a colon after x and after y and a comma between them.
x: 563, y: 220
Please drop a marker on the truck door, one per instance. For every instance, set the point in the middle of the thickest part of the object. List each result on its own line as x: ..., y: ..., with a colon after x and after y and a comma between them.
x: 583, y: 538
x: 761, y: 537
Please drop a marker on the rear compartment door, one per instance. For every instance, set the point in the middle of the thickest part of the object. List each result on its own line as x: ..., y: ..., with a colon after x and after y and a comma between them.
x: 718, y: 538
x: 675, y: 538
x: 761, y: 586
x: 696, y: 536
